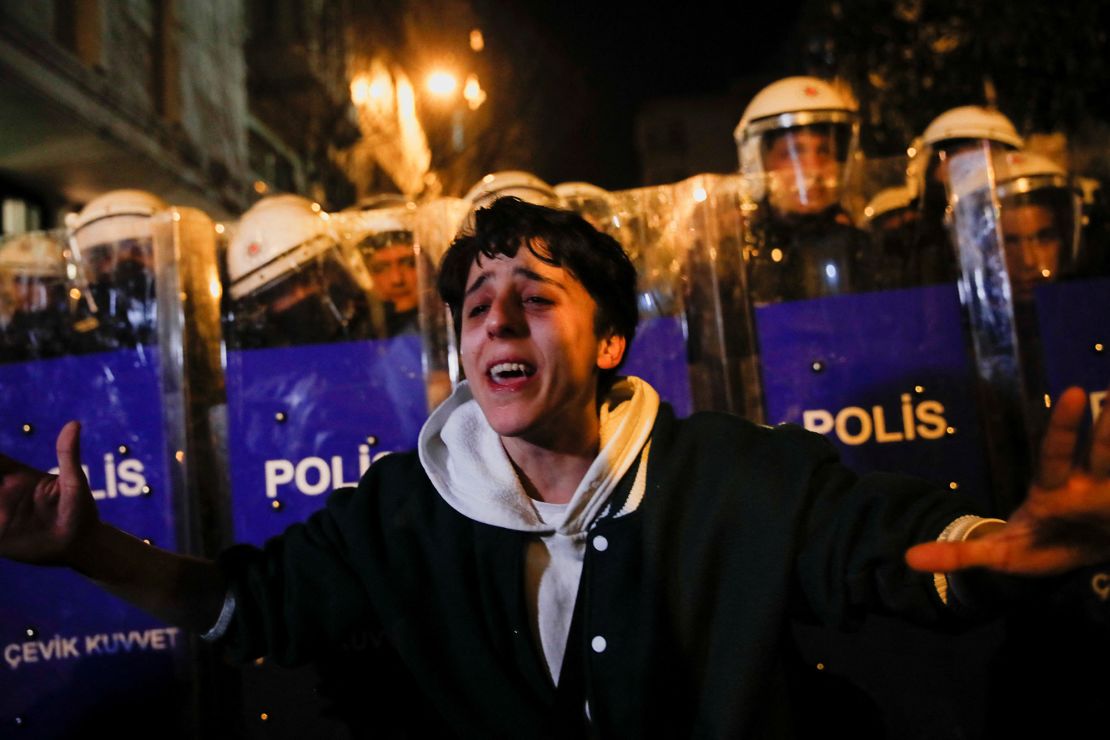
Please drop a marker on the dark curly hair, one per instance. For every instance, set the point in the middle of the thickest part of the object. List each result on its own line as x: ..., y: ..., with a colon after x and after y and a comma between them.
x: 594, y: 259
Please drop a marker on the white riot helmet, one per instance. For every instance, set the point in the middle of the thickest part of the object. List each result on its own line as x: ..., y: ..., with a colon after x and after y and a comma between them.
x: 116, y: 216
x: 954, y: 130
x: 112, y: 227
x: 971, y: 122
x: 885, y: 203
x: 380, y: 202
x: 791, y: 115
x: 275, y: 236
x: 114, y: 247
x: 34, y: 255
x: 516, y: 183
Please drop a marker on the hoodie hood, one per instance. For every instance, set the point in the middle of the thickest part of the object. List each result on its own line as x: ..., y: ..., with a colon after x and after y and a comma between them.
x: 466, y: 462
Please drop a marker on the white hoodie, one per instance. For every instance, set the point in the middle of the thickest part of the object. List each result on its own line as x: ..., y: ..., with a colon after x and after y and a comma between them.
x: 466, y: 462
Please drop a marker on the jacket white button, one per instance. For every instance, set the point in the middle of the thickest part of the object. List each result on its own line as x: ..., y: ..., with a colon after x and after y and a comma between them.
x: 598, y: 644
x: 600, y: 543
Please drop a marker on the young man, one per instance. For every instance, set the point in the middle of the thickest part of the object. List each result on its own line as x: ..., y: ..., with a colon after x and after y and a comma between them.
x: 563, y: 556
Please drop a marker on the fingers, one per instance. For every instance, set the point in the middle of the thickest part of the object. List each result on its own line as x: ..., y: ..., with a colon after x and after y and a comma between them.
x: 68, y: 448
x: 944, y: 557
x: 1100, y: 443
x: 1058, y: 448
x: 1014, y: 555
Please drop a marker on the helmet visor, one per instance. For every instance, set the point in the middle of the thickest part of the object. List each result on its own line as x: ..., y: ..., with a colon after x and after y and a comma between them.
x: 805, y: 166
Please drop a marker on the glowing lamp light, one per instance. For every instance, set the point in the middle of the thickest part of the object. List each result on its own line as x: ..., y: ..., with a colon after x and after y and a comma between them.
x: 473, y: 92
x: 441, y: 83
x: 700, y: 195
x: 360, y: 90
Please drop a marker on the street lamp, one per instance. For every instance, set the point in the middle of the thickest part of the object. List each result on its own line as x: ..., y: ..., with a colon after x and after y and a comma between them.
x: 441, y: 84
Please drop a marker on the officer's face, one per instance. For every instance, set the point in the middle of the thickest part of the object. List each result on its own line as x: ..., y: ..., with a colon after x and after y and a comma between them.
x: 803, y: 170
x: 394, y: 271
x: 1033, y: 242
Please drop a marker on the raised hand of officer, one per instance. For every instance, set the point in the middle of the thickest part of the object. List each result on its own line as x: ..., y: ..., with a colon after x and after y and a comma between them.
x: 44, y: 518
x: 1064, y: 522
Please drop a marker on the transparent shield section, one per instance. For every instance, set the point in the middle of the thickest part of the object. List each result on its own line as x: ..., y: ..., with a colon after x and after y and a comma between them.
x: 1010, y: 413
x: 320, y: 294
x: 596, y: 206
x: 437, y: 224
x: 890, y: 215
x: 645, y: 223
x: 1036, y: 299
x: 120, y: 281
x: 720, y: 347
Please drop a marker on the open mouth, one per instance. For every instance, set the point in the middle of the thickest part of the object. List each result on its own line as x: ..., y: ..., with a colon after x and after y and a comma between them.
x: 511, y: 373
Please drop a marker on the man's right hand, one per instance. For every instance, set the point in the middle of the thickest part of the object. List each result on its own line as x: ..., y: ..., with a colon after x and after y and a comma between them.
x: 52, y: 520
x: 44, y: 518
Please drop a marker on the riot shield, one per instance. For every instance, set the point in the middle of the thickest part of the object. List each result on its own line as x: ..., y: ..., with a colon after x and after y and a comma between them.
x: 1039, y: 313
x: 324, y: 373
x: 884, y: 374
x: 437, y: 224
x: 77, y: 660
x: 311, y: 403
x: 1037, y: 308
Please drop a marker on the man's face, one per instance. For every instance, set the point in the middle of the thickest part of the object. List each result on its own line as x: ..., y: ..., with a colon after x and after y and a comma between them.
x: 1033, y: 243
x: 803, y: 170
x: 393, y: 268
x: 529, y: 348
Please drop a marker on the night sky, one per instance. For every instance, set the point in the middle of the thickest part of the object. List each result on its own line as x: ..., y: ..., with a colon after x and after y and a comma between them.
x: 628, y: 54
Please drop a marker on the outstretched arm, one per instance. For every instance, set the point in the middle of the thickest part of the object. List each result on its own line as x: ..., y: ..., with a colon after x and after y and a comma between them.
x: 52, y: 520
x: 1064, y: 522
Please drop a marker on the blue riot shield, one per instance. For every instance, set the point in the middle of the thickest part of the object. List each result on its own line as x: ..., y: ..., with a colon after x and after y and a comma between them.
x: 885, y: 374
x: 77, y: 660
x: 311, y: 404
x: 309, y: 411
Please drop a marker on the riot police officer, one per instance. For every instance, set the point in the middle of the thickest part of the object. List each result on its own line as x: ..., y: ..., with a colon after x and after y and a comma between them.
x: 34, y: 311
x: 925, y: 253
x: 796, y: 141
x: 114, y: 246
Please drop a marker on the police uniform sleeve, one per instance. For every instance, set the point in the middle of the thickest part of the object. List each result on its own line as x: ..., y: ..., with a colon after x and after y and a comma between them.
x: 300, y: 592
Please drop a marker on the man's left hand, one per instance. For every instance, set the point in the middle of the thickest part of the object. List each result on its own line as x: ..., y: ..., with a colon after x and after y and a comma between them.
x: 1064, y: 522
